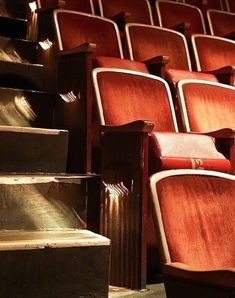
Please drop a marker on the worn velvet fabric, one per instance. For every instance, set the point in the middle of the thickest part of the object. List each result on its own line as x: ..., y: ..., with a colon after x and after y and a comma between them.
x: 114, y: 62
x: 78, y: 5
x: 126, y: 98
x: 223, y: 23
x: 209, y: 107
x: 138, y: 10
x: 184, y: 151
x: 175, y: 75
x: 149, y: 42
x: 76, y: 29
x: 173, y: 13
x: 198, y: 215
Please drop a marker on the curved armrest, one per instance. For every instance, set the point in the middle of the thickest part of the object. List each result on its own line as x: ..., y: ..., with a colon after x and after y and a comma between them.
x: 156, y: 65
x: 81, y: 49
x: 224, y: 133
x: 135, y: 126
x: 221, y: 277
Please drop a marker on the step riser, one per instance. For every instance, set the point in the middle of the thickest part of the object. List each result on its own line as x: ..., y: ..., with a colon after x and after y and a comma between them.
x: 27, y: 152
x: 51, y: 204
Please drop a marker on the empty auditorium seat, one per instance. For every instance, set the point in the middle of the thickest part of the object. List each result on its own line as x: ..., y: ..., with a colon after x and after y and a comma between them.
x: 215, y: 55
x: 182, y: 17
x: 131, y: 150
x: 221, y: 23
x: 84, y: 41
x: 194, y: 215
x: 209, y: 107
x: 164, y: 51
x: 125, y: 11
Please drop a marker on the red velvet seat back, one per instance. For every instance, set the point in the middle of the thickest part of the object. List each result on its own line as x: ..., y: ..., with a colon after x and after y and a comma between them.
x: 207, y: 106
x: 171, y: 14
x: 140, y: 11
x: 47, y: 3
x: 198, y: 216
x: 74, y: 29
x: 146, y: 42
x: 79, y: 5
x: 127, y: 96
x: 213, y: 52
x: 210, y: 4
x: 221, y: 23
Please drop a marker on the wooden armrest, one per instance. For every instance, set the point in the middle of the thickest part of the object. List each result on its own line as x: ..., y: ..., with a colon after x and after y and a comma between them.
x: 221, y: 277
x: 224, y: 133
x: 156, y: 65
x: 230, y: 35
x: 158, y: 60
x: 83, y: 48
x: 121, y: 19
x: 135, y: 126
x: 224, y: 74
x: 230, y: 69
x: 182, y: 27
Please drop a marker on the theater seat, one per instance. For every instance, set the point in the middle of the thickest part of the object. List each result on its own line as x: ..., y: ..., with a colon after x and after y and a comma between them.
x: 185, y: 18
x: 194, y: 215
x: 215, y: 55
x: 221, y: 23
x: 156, y: 47
x: 209, y: 107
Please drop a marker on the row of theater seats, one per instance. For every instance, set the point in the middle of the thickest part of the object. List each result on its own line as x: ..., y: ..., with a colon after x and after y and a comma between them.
x: 182, y: 17
x: 140, y: 118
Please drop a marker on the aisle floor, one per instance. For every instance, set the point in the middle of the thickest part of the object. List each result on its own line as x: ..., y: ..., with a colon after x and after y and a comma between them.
x: 156, y: 290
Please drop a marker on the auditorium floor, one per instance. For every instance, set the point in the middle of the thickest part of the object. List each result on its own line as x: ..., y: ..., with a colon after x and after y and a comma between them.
x: 156, y: 290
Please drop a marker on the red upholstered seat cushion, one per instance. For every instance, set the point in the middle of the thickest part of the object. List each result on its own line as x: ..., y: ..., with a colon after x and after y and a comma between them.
x: 185, y: 151
x: 175, y: 75
x: 198, y: 215
x: 113, y: 62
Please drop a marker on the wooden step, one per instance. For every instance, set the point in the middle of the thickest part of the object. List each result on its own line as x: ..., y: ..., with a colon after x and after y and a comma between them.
x: 32, y: 150
x: 46, y: 202
x: 54, y: 264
